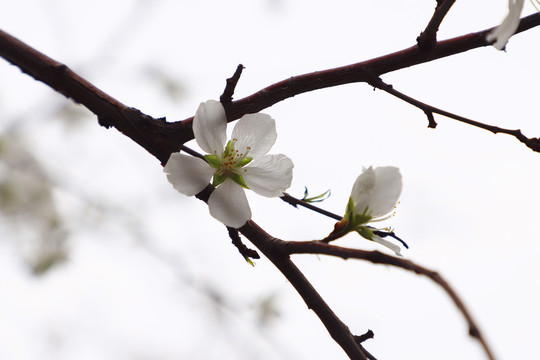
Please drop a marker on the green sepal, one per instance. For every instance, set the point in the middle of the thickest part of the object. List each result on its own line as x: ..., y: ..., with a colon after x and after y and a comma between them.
x: 228, y: 148
x: 245, y: 161
x: 349, y: 211
x: 212, y: 160
x: 354, y: 218
x: 218, y: 179
x: 365, y: 232
x: 239, y: 179
x: 360, y: 219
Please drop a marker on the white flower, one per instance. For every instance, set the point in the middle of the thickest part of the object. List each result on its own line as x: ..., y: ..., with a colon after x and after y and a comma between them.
x: 240, y: 163
x: 508, y: 27
x: 374, y: 195
x: 375, y: 192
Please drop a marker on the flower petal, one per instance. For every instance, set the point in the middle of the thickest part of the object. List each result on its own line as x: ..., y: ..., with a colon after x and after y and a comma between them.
x: 508, y: 27
x: 228, y: 204
x: 395, y: 248
x: 362, y: 189
x: 209, y: 127
x: 189, y: 175
x: 270, y: 175
x: 256, y: 131
x: 386, y: 191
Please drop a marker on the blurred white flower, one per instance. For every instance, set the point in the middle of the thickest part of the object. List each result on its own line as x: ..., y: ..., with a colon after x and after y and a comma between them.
x: 240, y: 163
x: 374, y: 195
x: 508, y: 27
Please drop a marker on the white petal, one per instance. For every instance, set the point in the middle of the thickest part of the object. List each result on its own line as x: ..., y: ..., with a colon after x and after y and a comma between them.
x: 189, y: 175
x: 256, y: 131
x: 228, y: 204
x: 508, y: 27
x: 362, y: 189
x: 386, y: 191
x: 395, y: 248
x: 270, y: 175
x: 209, y: 127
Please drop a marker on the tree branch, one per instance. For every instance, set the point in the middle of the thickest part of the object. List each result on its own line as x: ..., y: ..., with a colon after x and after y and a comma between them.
x: 157, y: 136
x: 532, y: 143
x: 275, y: 250
x: 376, y: 257
x: 360, y: 72
x: 161, y: 138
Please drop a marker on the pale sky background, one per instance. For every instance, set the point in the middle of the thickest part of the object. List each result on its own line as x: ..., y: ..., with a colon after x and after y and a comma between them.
x: 150, y: 275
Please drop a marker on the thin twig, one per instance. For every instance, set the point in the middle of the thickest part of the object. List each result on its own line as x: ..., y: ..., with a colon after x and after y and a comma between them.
x: 295, y: 202
x: 376, y: 257
x: 532, y: 143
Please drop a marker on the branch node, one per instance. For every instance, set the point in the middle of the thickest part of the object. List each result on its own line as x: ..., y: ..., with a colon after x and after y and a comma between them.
x: 428, y: 38
x: 474, y: 332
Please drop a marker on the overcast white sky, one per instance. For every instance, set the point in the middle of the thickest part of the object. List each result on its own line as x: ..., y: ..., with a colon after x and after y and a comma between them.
x: 144, y: 261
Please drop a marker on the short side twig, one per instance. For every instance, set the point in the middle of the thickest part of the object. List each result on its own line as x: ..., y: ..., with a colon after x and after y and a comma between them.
x: 246, y: 252
x: 228, y: 93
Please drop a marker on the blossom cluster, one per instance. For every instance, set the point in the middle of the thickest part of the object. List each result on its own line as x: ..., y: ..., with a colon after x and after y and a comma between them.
x: 242, y: 162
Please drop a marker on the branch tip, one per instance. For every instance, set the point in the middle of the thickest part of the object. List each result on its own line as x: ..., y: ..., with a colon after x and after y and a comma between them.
x: 227, y: 96
x: 432, y: 124
x: 361, y: 338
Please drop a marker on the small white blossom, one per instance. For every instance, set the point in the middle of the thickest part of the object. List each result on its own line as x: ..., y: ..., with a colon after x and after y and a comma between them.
x: 374, y: 195
x: 508, y: 27
x: 239, y: 163
x: 376, y: 192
